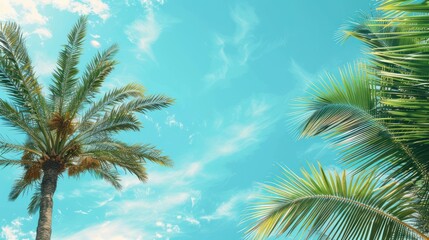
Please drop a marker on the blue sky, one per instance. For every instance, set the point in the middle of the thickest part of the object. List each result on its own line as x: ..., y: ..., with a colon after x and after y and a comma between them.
x: 234, y: 68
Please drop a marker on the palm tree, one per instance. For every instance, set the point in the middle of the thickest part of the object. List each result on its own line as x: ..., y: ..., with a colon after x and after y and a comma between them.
x: 70, y: 130
x: 377, y: 115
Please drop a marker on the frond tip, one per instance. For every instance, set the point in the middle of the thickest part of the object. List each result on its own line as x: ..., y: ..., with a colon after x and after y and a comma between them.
x: 332, y: 205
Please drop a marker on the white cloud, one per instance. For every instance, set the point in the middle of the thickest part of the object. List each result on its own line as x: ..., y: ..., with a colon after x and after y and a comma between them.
x: 22, y: 11
x: 85, y: 7
x: 9, y: 233
x: 43, y: 33
x: 60, y: 196
x: 245, y: 19
x: 130, y: 226
x: 28, y: 12
x: 258, y: 108
x: 247, y: 127
x: 13, y: 231
x: 228, y: 209
x: 82, y: 212
x: 301, y: 74
x: 115, y: 230
x: 172, y: 121
x: 160, y: 224
x: 233, y: 52
x: 102, y: 203
x: 7, y: 11
x: 144, y: 33
x: 95, y: 43
x: 43, y: 65
x: 95, y: 36
x: 192, y: 220
x: 150, y: 4
x: 139, y: 206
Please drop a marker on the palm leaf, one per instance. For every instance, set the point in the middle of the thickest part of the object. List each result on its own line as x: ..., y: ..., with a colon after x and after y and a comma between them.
x: 34, y: 204
x: 16, y: 70
x: 96, y: 72
x: 110, y: 99
x: 346, y: 112
x: 399, y: 66
x: 65, y: 75
x: 332, y: 205
x: 18, y: 78
x: 19, y: 187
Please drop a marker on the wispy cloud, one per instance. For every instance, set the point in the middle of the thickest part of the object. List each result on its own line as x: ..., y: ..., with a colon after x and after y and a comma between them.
x: 95, y: 43
x: 229, y: 208
x: 251, y: 121
x: 133, y: 209
x: 22, y: 11
x: 146, y: 31
x: 171, y: 121
x: 13, y: 231
x: 302, y: 75
x: 43, y: 33
x: 30, y: 15
x: 233, y: 52
x: 28, y: 12
x: 43, y: 66
x: 117, y: 230
x: 152, y: 3
x: 96, y: 7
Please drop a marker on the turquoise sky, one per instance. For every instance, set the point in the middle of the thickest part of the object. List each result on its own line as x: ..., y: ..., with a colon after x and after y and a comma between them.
x: 234, y: 68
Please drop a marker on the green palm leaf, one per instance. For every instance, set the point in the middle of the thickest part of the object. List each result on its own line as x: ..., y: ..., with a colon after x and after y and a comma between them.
x: 334, y: 206
x: 110, y: 99
x: 97, y: 71
x: 18, y: 78
x: 397, y: 44
x: 346, y: 112
x: 65, y: 75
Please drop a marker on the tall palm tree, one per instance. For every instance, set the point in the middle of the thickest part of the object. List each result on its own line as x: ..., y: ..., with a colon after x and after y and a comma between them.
x: 377, y: 114
x: 69, y: 131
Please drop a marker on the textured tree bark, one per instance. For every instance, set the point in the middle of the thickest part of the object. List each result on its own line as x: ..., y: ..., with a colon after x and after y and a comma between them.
x: 48, y: 187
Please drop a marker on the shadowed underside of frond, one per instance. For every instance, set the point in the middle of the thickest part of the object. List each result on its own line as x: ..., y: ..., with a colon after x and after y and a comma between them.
x: 346, y: 111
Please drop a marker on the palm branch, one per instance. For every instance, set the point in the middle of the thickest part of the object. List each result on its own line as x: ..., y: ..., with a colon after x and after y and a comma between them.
x: 332, y: 205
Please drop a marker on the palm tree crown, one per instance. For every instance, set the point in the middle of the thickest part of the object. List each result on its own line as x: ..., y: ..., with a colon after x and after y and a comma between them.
x: 71, y: 130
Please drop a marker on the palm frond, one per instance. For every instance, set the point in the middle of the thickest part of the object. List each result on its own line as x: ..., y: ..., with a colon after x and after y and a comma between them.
x: 18, y: 78
x: 16, y: 70
x: 109, y: 175
x: 65, y: 75
x: 152, y: 154
x: 110, y: 99
x: 335, y: 206
x: 16, y: 119
x: 399, y: 66
x: 122, y: 117
x: 96, y: 72
x: 34, y: 204
x: 128, y: 162
x: 20, y: 186
x: 139, y: 152
x: 146, y: 103
x: 347, y: 112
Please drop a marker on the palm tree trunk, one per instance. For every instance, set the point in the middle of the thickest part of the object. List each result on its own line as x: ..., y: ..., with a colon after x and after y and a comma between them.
x: 48, y: 187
